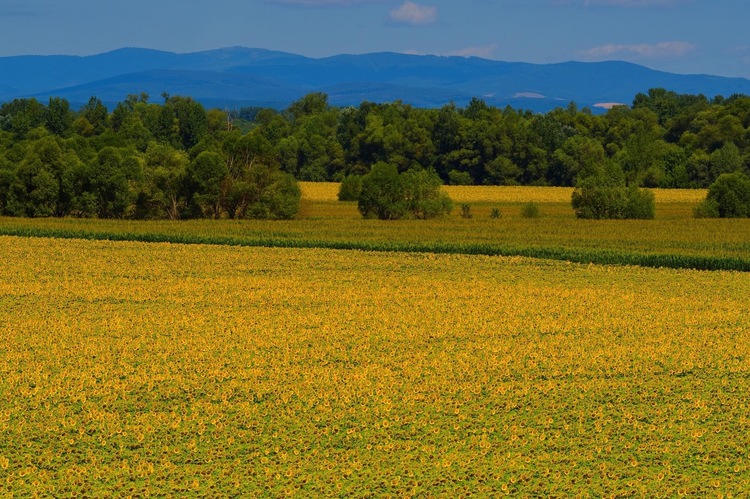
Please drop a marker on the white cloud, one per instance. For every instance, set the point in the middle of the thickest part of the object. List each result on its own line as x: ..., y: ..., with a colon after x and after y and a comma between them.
x: 642, y: 50
x: 413, y: 13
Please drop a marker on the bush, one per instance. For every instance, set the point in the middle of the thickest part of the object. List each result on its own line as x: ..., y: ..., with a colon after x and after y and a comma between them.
x: 640, y: 204
x: 530, y: 210
x: 424, y: 196
x: 350, y: 187
x: 495, y: 213
x: 594, y: 199
x: 728, y: 197
x: 708, y: 208
x: 279, y: 200
x: 264, y: 192
x: 466, y: 211
x: 383, y: 194
x: 388, y: 195
x: 457, y: 177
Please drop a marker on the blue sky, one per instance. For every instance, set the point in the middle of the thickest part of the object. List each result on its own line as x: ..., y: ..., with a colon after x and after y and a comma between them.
x: 681, y: 36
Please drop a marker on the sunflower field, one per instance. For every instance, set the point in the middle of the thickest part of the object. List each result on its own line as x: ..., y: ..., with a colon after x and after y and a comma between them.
x: 158, y: 369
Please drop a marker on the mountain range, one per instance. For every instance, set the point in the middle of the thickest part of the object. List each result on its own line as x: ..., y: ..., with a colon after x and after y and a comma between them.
x: 238, y: 77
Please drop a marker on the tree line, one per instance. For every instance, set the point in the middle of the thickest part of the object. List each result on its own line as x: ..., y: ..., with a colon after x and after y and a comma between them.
x: 176, y: 159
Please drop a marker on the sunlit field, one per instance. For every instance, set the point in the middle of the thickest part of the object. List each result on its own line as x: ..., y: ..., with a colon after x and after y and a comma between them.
x: 136, y: 369
x: 409, y: 362
x: 319, y: 199
x: 674, y: 236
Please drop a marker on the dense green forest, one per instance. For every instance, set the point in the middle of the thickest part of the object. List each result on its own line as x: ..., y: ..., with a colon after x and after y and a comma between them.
x: 178, y: 160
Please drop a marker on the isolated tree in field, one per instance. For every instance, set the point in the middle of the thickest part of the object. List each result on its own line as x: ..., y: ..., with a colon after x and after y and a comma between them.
x: 604, y: 195
x: 728, y: 197
x: 382, y: 194
x: 424, y: 197
x: 389, y: 195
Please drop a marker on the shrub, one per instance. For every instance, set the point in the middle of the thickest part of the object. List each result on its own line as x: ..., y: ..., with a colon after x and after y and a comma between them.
x: 530, y: 210
x: 264, y: 192
x: 596, y: 199
x: 495, y: 213
x: 466, y: 211
x: 708, y: 208
x: 640, y: 204
x: 457, y: 177
x: 388, y: 195
x: 350, y: 187
x: 383, y: 195
x: 728, y: 197
x: 424, y: 196
x: 279, y: 199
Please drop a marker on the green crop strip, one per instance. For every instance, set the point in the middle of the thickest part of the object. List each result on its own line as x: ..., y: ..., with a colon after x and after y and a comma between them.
x: 583, y: 256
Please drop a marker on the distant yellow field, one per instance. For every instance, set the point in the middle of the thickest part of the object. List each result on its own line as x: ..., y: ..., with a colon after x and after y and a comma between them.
x: 328, y: 191
x: 319, y: 191
x: 506, y: 194
x: 158, y: 369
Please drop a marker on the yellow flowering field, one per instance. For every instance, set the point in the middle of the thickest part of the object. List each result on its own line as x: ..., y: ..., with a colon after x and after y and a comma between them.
x: 328, y: 191
x: 161, y: 369
x: 319, y: 191
x: 319, y: 199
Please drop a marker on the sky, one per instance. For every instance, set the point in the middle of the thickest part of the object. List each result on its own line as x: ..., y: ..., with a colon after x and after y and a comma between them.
x: 679, y: 36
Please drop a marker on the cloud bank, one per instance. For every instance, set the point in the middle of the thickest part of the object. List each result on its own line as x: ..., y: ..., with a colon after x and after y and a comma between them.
x: 642, y: 50
x: 414, y: 14
x: 485, y: 52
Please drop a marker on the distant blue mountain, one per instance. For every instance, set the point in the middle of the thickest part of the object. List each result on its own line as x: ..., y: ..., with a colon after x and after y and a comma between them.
x: 237, y: 76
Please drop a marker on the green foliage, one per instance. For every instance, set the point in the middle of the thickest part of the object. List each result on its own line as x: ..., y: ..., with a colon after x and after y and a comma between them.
x: 383, y: 194
x: 530, y: 210
x: 495, y: 213
x: 466, y: 211
x: 388, y: 195
x: 164, y: 190
x: 602, y: 198
x: 728, y: 197
x: 205, y: 175
x: 694, y: 256
x: 189, y: 123
x: 266, y: 193
x: 456, y: 177
x: 708, y: 208
x: 665, y: 140
x: 350, y: 188
x: 424, y: 197
x: 640, y: 204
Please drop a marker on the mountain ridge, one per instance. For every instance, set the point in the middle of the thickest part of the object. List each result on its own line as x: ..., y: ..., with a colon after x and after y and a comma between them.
x: 244, y: 76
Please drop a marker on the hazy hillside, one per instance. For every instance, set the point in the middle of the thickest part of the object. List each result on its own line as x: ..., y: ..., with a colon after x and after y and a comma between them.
x: 240, y: 76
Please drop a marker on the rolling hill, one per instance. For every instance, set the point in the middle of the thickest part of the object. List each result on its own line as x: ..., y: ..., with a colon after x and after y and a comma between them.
x: 237, y: 76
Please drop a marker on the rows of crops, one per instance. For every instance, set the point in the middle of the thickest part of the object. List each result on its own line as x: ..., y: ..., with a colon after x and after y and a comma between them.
x: 675, y: 239
x: 132, y: 368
